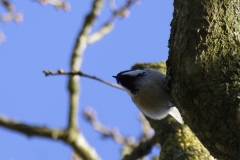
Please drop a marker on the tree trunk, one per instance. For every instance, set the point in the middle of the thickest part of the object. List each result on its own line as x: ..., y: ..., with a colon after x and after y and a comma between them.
x: 204, y: 72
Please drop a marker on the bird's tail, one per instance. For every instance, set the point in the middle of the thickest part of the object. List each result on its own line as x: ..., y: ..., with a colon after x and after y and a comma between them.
x: 176, y: 114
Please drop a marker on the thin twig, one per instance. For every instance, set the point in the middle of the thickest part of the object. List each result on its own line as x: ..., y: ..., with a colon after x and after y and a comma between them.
x: 11, y: 13
x: 80, y: 73
x: 98, y: 35
x: 139, y: 148
x: 106, y: 132
x: 59, y: 4
x: 2, y: 37
x: 147, y: 130
x: 112, y: 5
x: 8, y: 5
x: 123, y: 12
x: 144, y: 148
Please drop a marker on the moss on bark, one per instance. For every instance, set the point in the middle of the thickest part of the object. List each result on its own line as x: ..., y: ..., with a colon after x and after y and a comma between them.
x: 204, y: 72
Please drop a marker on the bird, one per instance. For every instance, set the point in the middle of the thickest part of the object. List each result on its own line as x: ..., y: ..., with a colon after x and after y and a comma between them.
x: 147, y: 89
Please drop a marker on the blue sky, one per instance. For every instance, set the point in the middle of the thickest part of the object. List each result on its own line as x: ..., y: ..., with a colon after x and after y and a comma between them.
x: 44, y: 40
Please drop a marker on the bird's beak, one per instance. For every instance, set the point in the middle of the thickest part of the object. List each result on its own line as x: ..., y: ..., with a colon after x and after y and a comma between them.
x: 117, y: 78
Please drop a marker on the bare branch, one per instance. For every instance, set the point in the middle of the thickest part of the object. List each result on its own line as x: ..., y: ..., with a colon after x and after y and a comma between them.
x: 135, y: 149
x: 112, y: 5
x: 11, y: 13
x: 103, y: 31
x: 76, y: 61
x: 2, y: 37
x: 74, y: 139
x: 91, y: 116
x: 73, y: 82
x: 147, y: 130
x: 144, y: 143
x: 31, y: 130
x: 9, y: 6
x: 80, y: 73
x: 81, y: 146
x: 131, y: 149
x: 123, y: 12
x: 144, y: 148
x: 59, y: 4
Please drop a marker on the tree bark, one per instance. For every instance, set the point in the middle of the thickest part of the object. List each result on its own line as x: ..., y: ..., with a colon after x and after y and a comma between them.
x: 204, y: 69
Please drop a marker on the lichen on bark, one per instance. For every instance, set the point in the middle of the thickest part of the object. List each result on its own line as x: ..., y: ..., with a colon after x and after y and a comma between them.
x: 204, y: 71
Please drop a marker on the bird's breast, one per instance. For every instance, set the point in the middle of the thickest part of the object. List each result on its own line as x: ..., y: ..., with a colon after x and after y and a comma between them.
x: 155, y: 106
